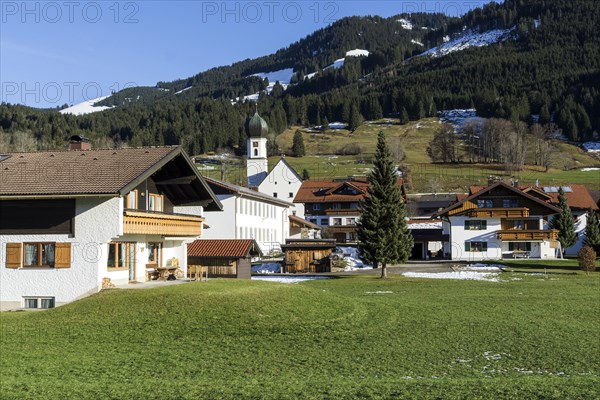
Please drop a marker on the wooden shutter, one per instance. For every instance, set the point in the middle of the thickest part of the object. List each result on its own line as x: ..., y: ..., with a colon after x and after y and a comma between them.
x: 483, y: 246
x: 484, y: 224
x: 14, y: 252
x: 467, y: 225
x: 467, y: 246
x: 62, y: 255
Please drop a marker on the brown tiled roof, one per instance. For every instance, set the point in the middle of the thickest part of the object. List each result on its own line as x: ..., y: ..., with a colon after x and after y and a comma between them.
x: 579, y: 198
x: 77, y: 172
x: 225, y: 248
x: 322, y: 191
x: 476, y: 192
x: 304, y: 222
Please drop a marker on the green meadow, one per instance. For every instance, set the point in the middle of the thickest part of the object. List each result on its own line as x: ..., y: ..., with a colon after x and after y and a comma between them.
x: 527, y: 336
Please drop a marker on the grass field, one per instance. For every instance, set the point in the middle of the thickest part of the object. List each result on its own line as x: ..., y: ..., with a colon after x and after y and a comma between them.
x: 325, y: 159
x: 356, y: 337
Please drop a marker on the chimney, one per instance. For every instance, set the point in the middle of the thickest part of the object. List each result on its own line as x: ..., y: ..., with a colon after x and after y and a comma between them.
x: 79, y: 143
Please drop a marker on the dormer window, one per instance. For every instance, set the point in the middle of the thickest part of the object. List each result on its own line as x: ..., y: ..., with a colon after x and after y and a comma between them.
x: 156, y: 202
x: 488, y: 203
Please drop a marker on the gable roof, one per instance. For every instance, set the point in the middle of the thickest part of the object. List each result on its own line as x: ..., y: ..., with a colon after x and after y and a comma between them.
x: 102, y: 172
x: 578, y: 198
x: 220, y: 187
x: 223, y: 248
x: 284, y: 162
x: 479, y: 192
x: 323, y: 191
x: 304, y: 222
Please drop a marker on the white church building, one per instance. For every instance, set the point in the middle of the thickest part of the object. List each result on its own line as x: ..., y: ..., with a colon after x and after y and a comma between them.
x: 281, y: 182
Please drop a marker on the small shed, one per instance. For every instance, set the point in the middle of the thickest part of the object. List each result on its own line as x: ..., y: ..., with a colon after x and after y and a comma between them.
x: 308, y: 255
x: 226, y: 258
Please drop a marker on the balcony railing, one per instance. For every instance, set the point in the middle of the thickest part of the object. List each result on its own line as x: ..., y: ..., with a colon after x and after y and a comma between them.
x: 528, y: 235
x: 498, y: 212
x: 151, y: 223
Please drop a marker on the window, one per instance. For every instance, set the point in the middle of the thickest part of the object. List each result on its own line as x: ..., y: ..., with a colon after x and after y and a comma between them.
x: 351, y: 221
x: 316, y: 206
x: 155, y: 202
x: 38, y: 302
x: 337, y: 221
x: 121, y: 255
x: 485, y: 203
x: 275, y: 195
x: 255, y: 152
x: 336, y: 206
x: 475, y: 225
x: 254, y: 144
x: 510, y: 203
x: 353, y: 205
x: 519, y: 246
x: 325, y: 222
x: 313, y: 220
x: 154, y: 253
x: 132, y: 200
x: 38, y: 255
x: 473, y: 247
x: 290, y: 195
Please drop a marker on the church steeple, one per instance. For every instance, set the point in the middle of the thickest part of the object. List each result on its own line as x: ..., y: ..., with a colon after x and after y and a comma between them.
x: 257, y: 163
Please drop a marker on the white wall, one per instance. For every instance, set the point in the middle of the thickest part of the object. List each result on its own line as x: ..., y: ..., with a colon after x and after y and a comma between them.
x: 280, y: 183
x: 247, y: 218
x: 96, y: 222
x: 458, y: 237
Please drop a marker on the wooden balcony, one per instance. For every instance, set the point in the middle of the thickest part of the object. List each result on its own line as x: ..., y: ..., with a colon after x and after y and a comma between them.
x: 343, y: 228
x: 508, y: 235
x: 498, y: 212
x: 151, y: 223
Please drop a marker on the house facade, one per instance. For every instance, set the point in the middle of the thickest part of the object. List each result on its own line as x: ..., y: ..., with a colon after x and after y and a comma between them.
x: 73, y: 220
x: 283, y: 182
x: 334, y: 205
x: 499, y: 221
x: 248, y: 214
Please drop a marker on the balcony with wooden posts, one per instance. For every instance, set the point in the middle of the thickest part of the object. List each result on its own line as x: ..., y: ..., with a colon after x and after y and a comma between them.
x: 534, y: 234
x: 521, y: 212
x: 155, y: 223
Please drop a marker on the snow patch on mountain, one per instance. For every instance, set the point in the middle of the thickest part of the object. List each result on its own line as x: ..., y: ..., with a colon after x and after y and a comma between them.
x: 406, y: 24
x: 592, y: 147
x: 183, y: 90
x: 284, y: 76
x: 467, y: 39
x: 86, y: 107
x: 413, y: 41
x: 339, y: 63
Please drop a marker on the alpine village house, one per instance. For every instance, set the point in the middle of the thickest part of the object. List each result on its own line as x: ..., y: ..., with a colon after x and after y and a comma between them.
x: 74, y: 221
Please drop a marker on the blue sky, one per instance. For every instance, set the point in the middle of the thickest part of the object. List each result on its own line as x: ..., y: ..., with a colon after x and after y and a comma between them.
x: 59, y: 52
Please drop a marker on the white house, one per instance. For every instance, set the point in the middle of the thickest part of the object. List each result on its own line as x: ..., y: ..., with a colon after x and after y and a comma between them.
x: 248, y: 214
x: 73, y: 220
x: 499, y: 221
x: 283, y: 182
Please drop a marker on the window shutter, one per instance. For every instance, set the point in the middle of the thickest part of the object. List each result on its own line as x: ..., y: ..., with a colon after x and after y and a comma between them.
x: 467, y: 225
x: 483, y: 246
x: 528, y: 246
x: 484, y: 224
x: 511, y: 246
x: 467, y: 246
x: 62, y: 256
x: 14, y: 252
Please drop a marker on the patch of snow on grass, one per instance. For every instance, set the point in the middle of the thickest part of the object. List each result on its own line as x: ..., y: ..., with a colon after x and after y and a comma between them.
x: 589, y: 169
x: 289, y: 279
x: 592, y: 147
x: 458, y: 275
x: 86, y: 107
x: 484, y: 267
x: 268, y: 268
x: 468, y: 39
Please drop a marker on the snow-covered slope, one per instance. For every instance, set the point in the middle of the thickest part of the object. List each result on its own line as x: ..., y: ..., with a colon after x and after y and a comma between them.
x: 406, y: 24
x: 339, y: 63
x: 469, y: 38
x: 86, y: 107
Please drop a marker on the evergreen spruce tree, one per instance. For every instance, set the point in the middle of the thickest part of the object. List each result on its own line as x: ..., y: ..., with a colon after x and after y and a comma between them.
x: 564, y: 223
x: 355, y: 118
x: 404, y: 119
x: 305, y: 174
x: 383, y: 235
x: 592, y: 231
x: 298, y: 145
